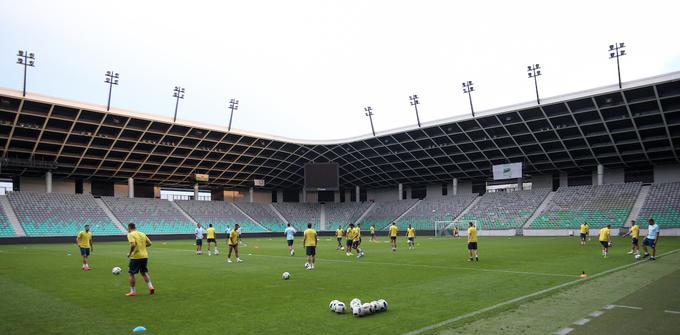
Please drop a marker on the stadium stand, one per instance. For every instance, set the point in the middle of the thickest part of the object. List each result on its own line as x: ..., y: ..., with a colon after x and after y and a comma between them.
x: 342, y: 214
x: 385, y: 212
x: 597, y: 205
x: 263, y: 214
x: 219, y: 214
x: 300, y: 214
x: 423, y: 215
x: 6, y: 229
x: 662, y: 205
x: 59, y: 214
x: 501, y: 210
x: 152, y: 216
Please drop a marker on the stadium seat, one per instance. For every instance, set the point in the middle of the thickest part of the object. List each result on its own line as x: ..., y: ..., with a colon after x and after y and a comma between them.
x: 263, y: 214
x: 59, y: 214
x: 502, y: 210
x: 6, y: 229
x: 342, y: 214
x: 152, y: 216
x: 597, y: 205
x: 385, y: 212
x: 300, y: 214
x: 662, y: 205
x: 423, y: 215
x: 219, y: 214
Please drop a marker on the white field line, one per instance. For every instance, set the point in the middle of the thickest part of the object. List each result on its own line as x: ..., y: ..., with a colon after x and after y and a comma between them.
x: 564, y: 331
x: 432, y: 266
x: 582, y: 322
x: 596, y: 314
x: 524, y: 297
x: 672, y: 312
x: 623, y: 306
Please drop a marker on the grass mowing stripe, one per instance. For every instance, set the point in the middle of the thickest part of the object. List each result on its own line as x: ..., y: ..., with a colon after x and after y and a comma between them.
x: 433, y: 266
x: 524, y: 297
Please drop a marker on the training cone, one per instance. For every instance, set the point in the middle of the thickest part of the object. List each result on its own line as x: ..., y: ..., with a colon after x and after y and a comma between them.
x: 583, y: 274
x: 138, y: 329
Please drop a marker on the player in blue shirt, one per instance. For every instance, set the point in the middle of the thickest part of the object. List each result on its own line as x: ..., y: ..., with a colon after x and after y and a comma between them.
x: 290, y: 236
x: 651, y: 239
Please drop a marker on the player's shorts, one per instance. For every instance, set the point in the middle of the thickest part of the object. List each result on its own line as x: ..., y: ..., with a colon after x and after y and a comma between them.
x: 605, y: 244
x: 355, y: 244
x: 359, y: 241
x: 393, y: 238
x: 649, y: 242
x: 635, y: 241
x: 290, y: 242
x: 372, y: 234
x: 233, y: 245
x: 138, y: 265
x: 411, y: 239
x: 85, y: 251
x: 199, y: 241
x: 583, y: 236
x: 349, y: 243
x: 311, y: 251
x: 472, y: 245
x: 339, y: 240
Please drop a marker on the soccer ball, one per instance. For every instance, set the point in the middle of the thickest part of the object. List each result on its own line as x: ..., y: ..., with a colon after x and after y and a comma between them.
x: 382, y: 305
x: 116, y: 270
x: 366, y: 309
x: 331, y: 306
x: 307, y: 266
x: 339, y: 307
x: 285, y: 276
x: 355, y: 302
x: 637, y: 257
x: 357, y: 311
x: 342, y: 248
x: 374, y: 307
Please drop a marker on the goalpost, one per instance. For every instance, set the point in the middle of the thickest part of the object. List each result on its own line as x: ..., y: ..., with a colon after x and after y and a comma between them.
x: 446, y: 228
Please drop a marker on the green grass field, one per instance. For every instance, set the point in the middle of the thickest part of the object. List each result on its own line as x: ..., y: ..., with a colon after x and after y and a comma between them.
x: 44, y: 291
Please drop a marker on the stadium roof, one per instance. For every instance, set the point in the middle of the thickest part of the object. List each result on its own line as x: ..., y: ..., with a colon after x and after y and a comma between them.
x: 636, y: 126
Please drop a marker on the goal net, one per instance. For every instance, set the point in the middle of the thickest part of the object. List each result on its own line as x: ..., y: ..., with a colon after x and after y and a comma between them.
x: 447, y: 228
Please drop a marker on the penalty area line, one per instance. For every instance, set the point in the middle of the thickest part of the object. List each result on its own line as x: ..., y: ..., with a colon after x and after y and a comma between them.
x: 525, y: 297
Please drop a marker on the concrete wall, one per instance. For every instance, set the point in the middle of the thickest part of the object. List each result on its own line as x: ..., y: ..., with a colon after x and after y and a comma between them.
x: 662, y: 173
x: 87, y: 187
x: 464, y: 187
x: 611, y: 176
x: 435, y: 191
x: 63, y: 186
x: 33, y: 185
x: 541, y: 181
x: 312, y: 197
x: 263, y: 197
x: 383, y: 194
x: 120, y: 190
x: 235, y: 196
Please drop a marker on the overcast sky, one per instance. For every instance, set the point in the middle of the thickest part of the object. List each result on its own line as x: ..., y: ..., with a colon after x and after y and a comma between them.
x: 307, y: 69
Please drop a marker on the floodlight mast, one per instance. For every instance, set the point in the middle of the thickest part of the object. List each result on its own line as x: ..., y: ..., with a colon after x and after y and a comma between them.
x: 415, y: 103
x: 369, y: 113
x: 178, y: 92
x: 616, y: 51
x: 468, y: 88
x: 26, y: 59
x: 111, y: 79
x: 233, y: 105
x: 535, y: 71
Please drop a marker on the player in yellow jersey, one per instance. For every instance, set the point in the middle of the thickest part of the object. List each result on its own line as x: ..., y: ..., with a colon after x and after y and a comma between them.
x: 309, y: 241
x: 233, y: 243
x: 210, y: 232
x: 84, y: 241
x: 584, y: 232
x: 393, y: 236
x: 605, y: 239
x: 634, y: 233
x: 139, y: 259
x: 339, y: 233
x: 356, y: 241
x: 411, y: 237
x: 373, y: 233
x: 349, y: 239
x: 472, y: 242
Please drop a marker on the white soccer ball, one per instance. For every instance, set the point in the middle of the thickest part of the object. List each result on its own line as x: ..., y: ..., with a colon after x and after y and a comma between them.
x: 355, y: 302
x: 339, y: 307
x: 116, y: 270
x: 374, y: 307
x: 357, y: 311
x: 332, y: 304
x: 285, y: 276
x: 382, y: 304
x: 342, y: 248
x: 307, y: 266
x: 638, y: 256
x: 366, y: 309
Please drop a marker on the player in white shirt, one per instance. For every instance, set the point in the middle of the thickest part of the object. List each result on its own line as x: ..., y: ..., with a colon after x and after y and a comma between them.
x: 199, y: 232
x: 651, y: 239
x: 290, y: 237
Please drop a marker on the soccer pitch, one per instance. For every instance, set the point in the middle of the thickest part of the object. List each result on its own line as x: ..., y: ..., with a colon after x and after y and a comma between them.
x: 44, y: 291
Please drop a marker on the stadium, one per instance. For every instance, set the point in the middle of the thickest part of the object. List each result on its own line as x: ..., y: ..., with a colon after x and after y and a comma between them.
x: 526, y: 176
